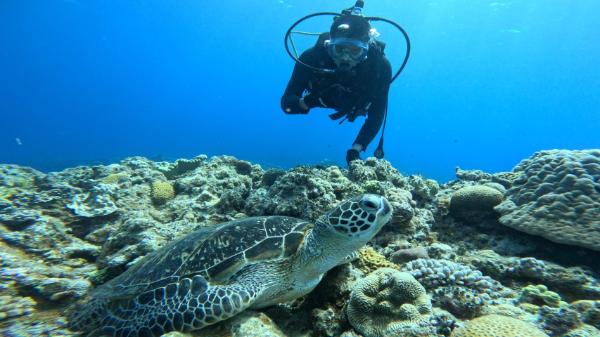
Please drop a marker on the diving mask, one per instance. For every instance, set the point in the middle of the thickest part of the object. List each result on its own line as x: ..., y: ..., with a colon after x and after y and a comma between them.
x: 347, y: 50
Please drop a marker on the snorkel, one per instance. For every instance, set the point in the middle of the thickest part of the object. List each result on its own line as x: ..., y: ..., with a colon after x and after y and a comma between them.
x: 344, y: 71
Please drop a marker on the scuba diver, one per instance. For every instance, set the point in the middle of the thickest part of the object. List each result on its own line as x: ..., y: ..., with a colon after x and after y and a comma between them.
x: 346, y: 71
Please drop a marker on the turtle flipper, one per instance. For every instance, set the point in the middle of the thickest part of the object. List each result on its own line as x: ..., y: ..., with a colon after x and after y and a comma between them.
x: 85, y: 318
x: 190, y: 304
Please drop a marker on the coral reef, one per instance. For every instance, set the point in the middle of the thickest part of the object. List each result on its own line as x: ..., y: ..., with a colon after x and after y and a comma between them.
x: 589, y: 310
x: 15, y: 306
x: 433, y: 273
x: 410, y: 254
x: 63, y: 233
x: 506, y: 179
x: 371, y: 261
x: 58, y: 288
x: 472, y: 175
x: 500, y: 188
x: 270, y: 176
x: 114, y: 178
x: 97, y: 202
x: 326, y: 322
x: 372, y: 186
x: 388, y: 301
x: 559, y: 321
x: 424, y: 188
x: 575, y: 282
x: 497, y: 325
x: 180, y: 167
x: 248, y: 323
x: 557, y: 197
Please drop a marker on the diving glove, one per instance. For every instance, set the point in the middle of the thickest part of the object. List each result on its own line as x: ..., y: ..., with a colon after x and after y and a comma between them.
x: 352, y: 155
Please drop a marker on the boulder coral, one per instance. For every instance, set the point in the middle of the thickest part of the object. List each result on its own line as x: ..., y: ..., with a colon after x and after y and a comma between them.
x: 497, y: 325
x: 557, y: 197
x: 388, y: 301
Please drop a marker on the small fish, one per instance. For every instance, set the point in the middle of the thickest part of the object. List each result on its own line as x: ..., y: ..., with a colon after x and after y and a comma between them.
x: 18, y: 141
x: 456, y: 140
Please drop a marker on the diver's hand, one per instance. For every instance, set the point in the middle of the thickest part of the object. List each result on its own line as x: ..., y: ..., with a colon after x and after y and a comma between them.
x: 352, y: 155
x: 326, y: 99
x: 302, y: 104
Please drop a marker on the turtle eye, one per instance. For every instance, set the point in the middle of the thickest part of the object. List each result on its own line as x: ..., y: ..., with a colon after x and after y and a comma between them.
x: 369, y: 204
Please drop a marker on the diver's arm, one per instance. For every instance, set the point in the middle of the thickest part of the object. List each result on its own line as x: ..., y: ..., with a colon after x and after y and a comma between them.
x: 371, y: 127
x: 357, y: 147
x: 292, y: 102
x: 376, y: 113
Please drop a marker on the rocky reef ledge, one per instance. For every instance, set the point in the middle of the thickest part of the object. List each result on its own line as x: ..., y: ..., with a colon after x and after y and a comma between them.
x: 487, y: 254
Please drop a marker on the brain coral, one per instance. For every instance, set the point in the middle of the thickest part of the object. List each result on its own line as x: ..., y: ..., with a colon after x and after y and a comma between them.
x: 473, y: 203
x: 498, y: 326
x: 162, y: 191
x: 389, y: 301
x: 558, y: 197
x: 475, y: 198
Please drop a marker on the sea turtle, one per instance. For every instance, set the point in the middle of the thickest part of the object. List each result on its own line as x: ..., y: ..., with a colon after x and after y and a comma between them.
x: 217, y: 272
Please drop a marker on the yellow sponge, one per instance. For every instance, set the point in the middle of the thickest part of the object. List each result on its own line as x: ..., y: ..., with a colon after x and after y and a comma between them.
x: 114, y: 178
x: 162, y: 191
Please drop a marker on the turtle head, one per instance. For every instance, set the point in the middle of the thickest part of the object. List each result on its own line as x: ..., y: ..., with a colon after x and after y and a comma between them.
x: 360, y: 217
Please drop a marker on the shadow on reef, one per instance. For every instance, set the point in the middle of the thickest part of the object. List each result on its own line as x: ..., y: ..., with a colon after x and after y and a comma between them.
x: 523, y: 244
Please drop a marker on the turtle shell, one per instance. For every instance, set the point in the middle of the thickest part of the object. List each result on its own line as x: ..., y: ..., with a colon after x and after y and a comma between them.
x: 216, y: 253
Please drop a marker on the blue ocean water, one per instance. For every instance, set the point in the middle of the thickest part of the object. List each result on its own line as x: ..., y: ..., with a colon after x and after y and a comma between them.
x: 487, y: 84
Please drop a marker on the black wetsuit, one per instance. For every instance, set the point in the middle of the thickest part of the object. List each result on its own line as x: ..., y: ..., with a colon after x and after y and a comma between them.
x: 370, y: 84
